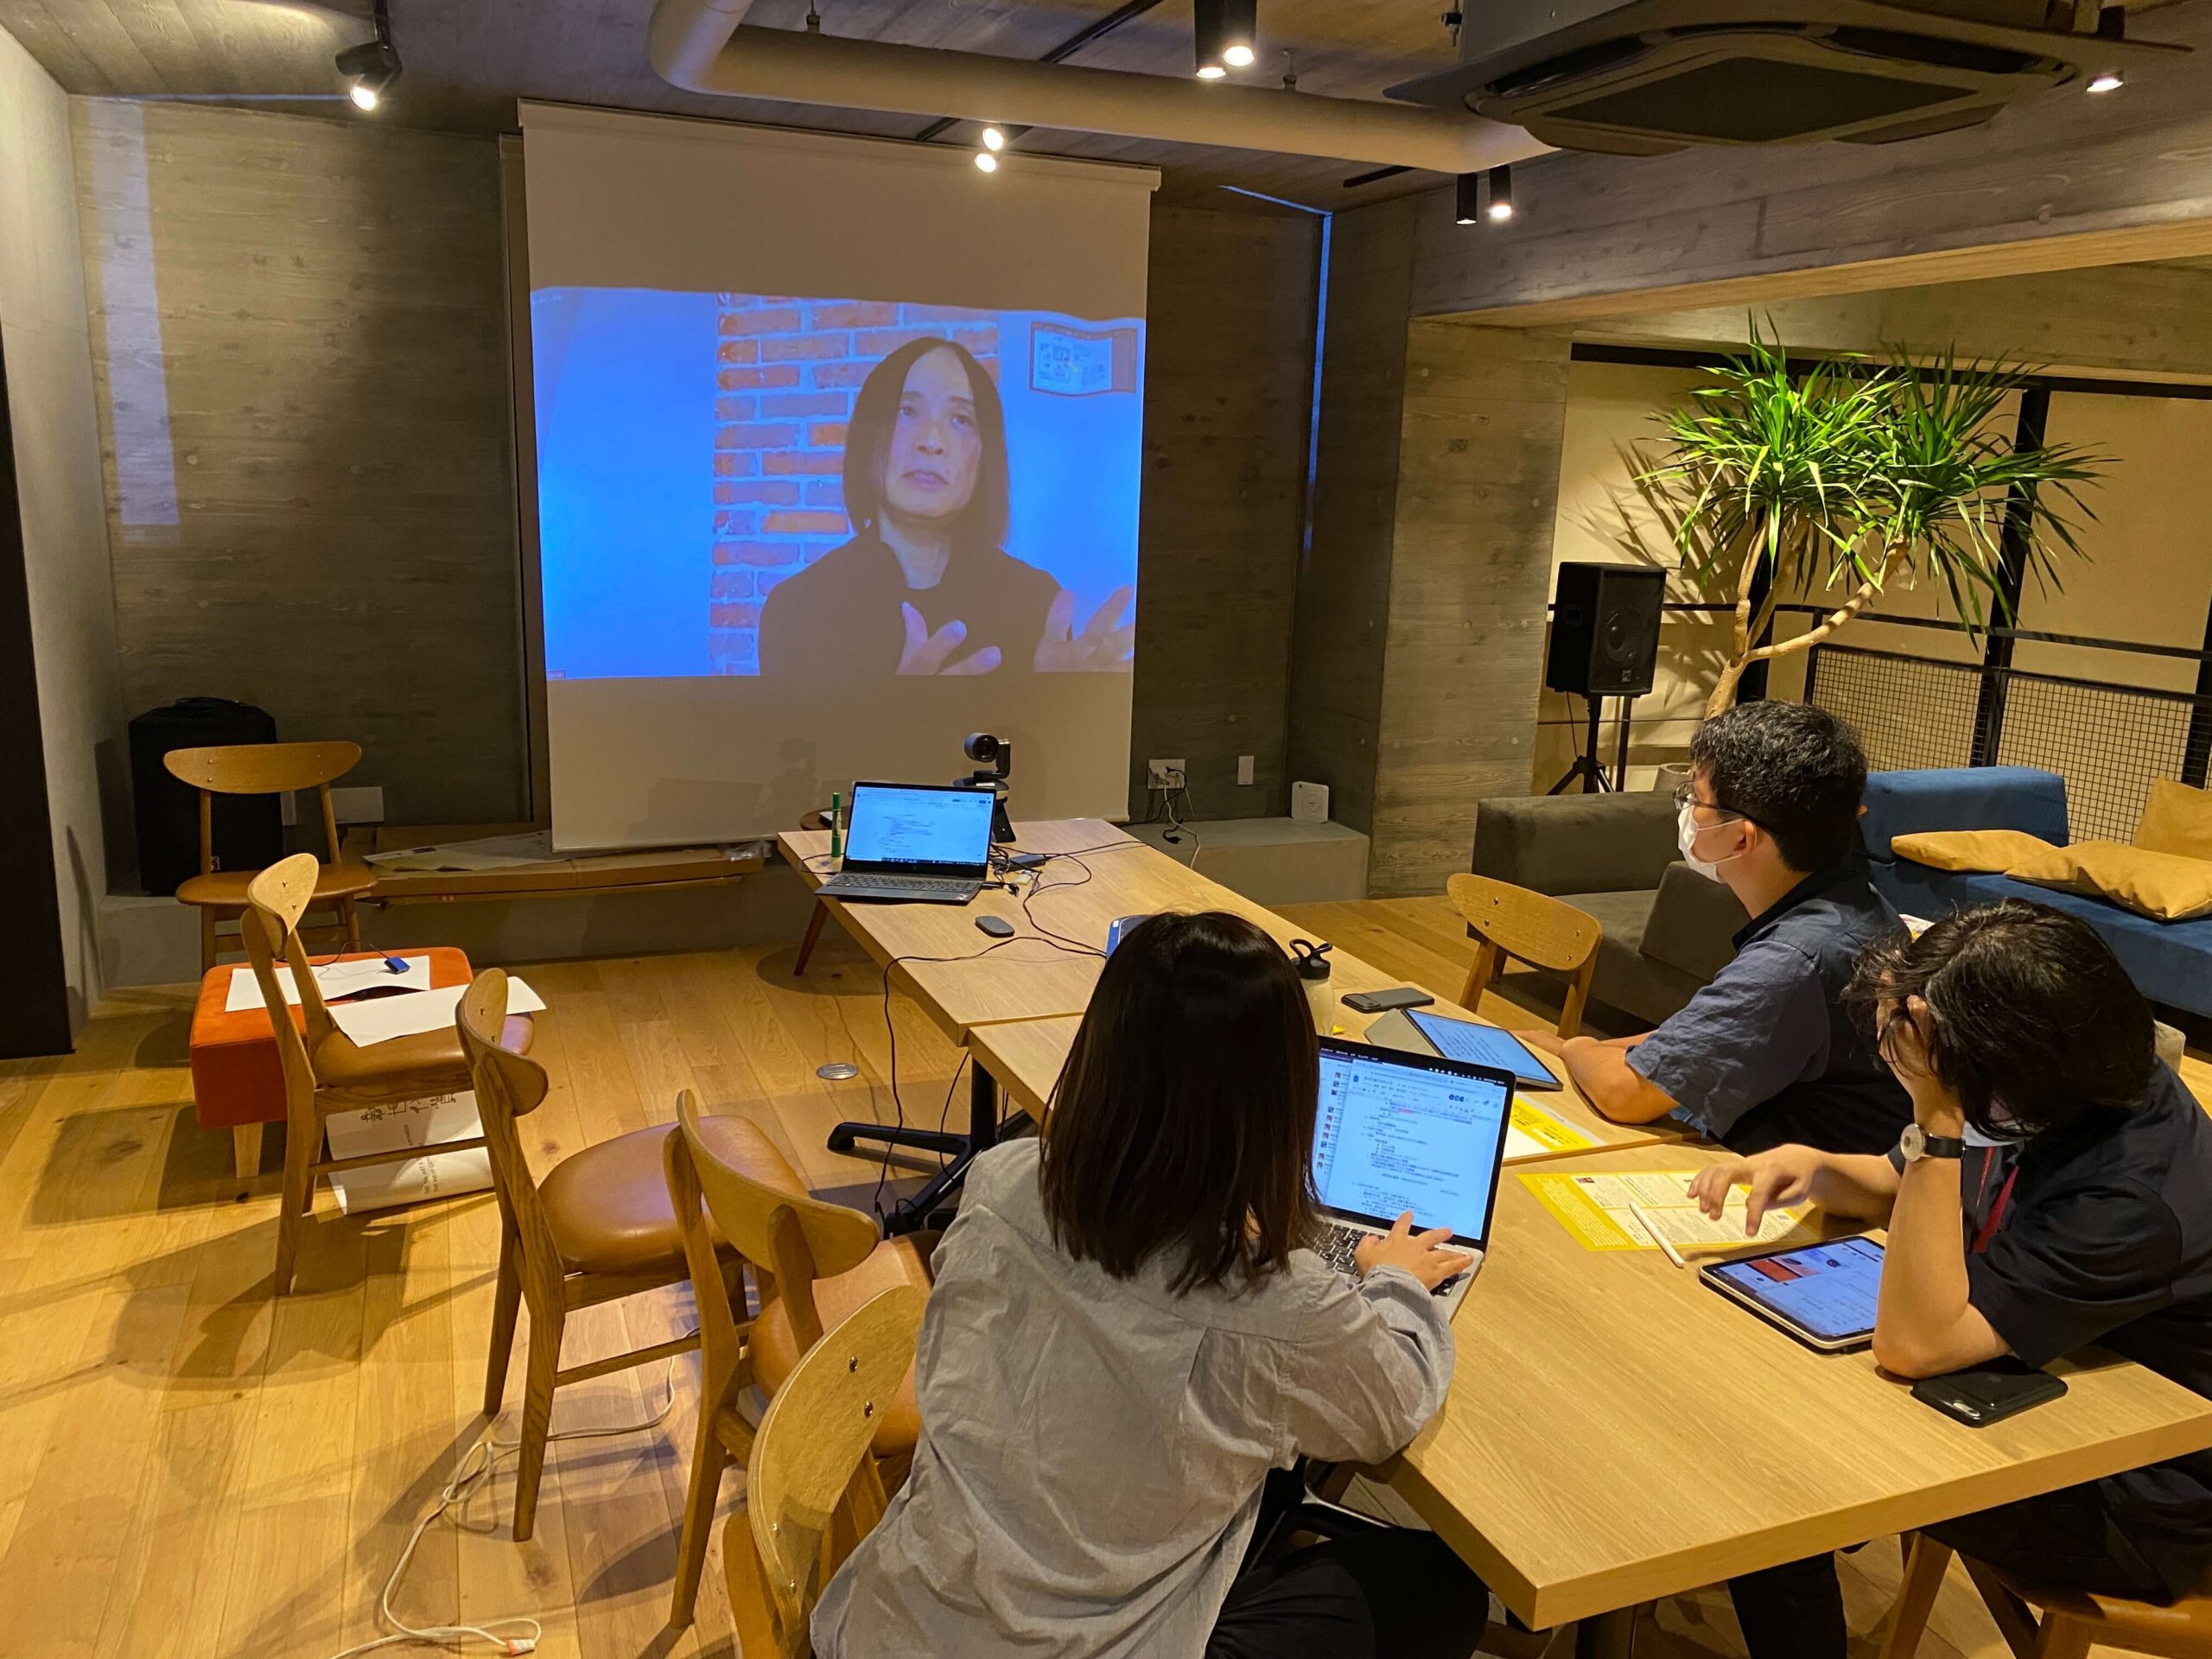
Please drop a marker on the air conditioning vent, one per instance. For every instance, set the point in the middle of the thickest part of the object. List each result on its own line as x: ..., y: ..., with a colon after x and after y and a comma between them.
x: 1748, y: 101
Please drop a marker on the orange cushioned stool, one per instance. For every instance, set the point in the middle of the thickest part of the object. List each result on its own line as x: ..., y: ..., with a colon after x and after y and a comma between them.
x: 236, y: 1082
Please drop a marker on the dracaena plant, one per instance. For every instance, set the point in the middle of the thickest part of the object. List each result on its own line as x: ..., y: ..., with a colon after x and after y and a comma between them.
x: 1848, y: 477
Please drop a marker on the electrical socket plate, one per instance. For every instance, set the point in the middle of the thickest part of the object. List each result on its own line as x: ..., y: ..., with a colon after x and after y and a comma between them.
x: 363, y: 804
x: 1165, y: 774
x: 1244, y: 770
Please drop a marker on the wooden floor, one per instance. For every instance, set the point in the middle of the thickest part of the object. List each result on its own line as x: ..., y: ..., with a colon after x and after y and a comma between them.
x: 187, y: 1469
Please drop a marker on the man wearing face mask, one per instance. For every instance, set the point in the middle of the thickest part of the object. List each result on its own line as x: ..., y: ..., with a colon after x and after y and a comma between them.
x: 1765, y: 1055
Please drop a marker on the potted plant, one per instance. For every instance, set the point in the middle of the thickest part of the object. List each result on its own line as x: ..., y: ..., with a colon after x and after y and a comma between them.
x: 1847, y: 476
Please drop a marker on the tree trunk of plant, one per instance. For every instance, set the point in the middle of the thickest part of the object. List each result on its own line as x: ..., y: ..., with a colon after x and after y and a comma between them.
x: 1724, y: 692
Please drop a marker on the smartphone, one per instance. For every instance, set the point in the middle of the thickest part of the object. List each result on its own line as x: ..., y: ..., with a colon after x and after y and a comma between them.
x: 1399, y: 996
x: 1988, y: 1393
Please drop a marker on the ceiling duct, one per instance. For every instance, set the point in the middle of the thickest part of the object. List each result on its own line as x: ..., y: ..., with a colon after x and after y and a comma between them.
x: 1647, y: 76
x: 702, y: 47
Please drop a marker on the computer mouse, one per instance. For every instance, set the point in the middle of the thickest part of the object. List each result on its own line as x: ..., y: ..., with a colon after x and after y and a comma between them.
x: 997, y: 926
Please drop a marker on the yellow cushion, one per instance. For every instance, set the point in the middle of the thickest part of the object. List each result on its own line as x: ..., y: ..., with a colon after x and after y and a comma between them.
x: 2164, y: 886
x: 1970, y: 849
x: 2177, y: 819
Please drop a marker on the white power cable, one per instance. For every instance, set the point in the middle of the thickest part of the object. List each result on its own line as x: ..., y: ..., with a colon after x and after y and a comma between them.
x: 470, y: 1478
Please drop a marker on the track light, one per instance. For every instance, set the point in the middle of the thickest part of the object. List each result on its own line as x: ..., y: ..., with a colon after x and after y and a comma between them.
x: 1224, y: 35
x: 1501, y: 195
x: 986, y: 163
x: 372, y: 66
x: 993, y: 139
x: 1467, y: 197
x: 2107, y: 80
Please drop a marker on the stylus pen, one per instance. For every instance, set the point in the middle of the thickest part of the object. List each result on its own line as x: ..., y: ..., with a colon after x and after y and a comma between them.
x: 1673, y: 1254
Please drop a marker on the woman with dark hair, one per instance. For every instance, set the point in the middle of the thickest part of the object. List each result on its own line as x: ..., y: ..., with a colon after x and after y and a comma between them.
x: 1125, y: 1336
x: 924, y: 587
x: 2054, y: 1189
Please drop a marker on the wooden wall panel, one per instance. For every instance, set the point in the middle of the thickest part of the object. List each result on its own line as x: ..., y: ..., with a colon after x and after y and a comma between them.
x: 1228, y: 409
x: 1485, y: 411
x: 1344, y: 584
x: 299, y: 341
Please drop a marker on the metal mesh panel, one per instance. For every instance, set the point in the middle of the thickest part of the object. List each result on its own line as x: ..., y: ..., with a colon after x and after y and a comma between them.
x: 1908, y: 714
x: 2108, y: 744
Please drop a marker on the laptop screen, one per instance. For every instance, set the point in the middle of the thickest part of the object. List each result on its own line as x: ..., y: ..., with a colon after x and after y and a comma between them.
x: 945, y: 831
x: 1399, y: 1132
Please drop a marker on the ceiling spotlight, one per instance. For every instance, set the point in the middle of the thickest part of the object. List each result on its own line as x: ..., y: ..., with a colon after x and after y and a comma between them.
x: 993, y: 139
x: 1467, y: 197
x: 2107, y: 80
x: 1501, y: 195
x: 1224, y: 35
x: 373, y: 65
x: 986, y: 163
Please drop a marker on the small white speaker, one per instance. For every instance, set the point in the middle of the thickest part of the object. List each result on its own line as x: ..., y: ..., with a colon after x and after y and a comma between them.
x: 1309, y: 802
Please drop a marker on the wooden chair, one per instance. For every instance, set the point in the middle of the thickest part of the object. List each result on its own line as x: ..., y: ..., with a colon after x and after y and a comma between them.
x: 268, y: 769
x: 597, y: 1228
x: 2072, y: 1622
x: 813, y: 1492
x: 815, y: 1263
x: 816, y: 820
x: 324, y: 1071
x: 1531, y: 927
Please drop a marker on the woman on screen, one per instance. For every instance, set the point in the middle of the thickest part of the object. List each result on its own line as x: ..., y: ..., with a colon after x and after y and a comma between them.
x: 924, y: 587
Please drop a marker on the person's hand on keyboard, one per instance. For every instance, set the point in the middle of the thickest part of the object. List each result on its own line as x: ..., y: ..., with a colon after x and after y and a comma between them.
x: 1424, y: 1256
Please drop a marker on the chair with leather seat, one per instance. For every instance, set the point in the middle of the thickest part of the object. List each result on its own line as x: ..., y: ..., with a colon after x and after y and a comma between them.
x: 324, y: 1071
x: 814, y: 1263
x: 268, y: 769
x: 597, y: 1226
x: 2072, y: 1622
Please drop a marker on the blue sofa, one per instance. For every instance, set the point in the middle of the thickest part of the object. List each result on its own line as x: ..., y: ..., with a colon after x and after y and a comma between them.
x: 2171, y: 962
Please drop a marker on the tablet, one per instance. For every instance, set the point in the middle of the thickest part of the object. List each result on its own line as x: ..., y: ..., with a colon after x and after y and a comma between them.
x: 1822, y: 1294
x: 1474, y: 1045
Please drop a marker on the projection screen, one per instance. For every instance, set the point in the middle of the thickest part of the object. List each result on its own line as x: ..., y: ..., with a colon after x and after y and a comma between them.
x: 839, y: 443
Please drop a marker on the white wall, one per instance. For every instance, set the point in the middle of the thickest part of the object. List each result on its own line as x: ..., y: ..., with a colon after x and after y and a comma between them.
x: 43, y: 326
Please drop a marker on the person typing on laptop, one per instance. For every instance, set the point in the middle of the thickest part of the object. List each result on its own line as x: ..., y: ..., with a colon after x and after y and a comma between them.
x: 1125, y: 1336
x: 1765, y: 1054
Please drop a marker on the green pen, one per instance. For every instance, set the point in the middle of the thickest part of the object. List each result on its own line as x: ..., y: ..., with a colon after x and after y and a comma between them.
x: 836, y: 832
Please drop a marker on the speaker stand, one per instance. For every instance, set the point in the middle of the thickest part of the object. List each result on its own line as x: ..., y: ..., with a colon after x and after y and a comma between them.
x: 1587, y: 766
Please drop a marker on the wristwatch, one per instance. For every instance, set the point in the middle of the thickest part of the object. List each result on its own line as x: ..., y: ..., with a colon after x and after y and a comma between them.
x: 1915, y: 1144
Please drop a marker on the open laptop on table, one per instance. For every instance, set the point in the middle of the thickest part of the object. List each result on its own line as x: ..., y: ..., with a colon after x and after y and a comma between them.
x: 915, y: 844
x: 1398, y: 1132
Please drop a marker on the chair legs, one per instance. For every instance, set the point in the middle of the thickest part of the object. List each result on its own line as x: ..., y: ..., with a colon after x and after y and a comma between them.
x: 506, y: 1300
x: 813, y: 932
x: 207, y: 940
x: 349, y: 916
x: 536, y: 1416
x: 298, y: 1201
x: 709, y: 1458
x: 1925, y: 1561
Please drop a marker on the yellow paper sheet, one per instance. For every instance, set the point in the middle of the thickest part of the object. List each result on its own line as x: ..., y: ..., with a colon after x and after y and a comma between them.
x: 1598, y: 1209
x: 1536, y: 1134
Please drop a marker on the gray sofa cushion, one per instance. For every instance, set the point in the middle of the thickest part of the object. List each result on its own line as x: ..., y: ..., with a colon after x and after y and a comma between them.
x: 1627, y: 977
x: 1565, y: 844
x: 1693, y: 924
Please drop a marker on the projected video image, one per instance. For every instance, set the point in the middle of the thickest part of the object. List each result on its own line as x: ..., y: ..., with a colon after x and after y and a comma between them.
x: 817, y: 490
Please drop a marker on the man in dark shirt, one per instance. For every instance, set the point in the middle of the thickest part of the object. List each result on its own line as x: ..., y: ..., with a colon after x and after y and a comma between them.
x: 1766, y: 1054
x: 2055, y: 1190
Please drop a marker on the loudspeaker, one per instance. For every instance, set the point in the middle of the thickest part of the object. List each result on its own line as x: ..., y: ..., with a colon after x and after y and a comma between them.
x: 1605, y: 630
x: 248, y: 831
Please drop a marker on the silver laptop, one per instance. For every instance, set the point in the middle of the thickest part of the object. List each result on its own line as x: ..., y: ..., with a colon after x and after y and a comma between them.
x: 916, y: 843
x: 1398, y: 1132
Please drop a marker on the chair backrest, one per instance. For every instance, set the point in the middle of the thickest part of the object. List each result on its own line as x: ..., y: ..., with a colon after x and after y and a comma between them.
x: 809, y: 1463
x: 262, y: 769
x: 796, y: 1238
x: 275, y: 901
x: 1533, y: 926
x: 509, y: 1086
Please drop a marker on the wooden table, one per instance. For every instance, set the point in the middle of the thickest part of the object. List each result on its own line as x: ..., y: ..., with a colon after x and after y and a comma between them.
x: 1616, y: 1431
x: 1027, y: 1055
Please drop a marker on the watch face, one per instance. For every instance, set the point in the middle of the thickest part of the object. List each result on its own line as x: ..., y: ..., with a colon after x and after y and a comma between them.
x: 1913, y: 1142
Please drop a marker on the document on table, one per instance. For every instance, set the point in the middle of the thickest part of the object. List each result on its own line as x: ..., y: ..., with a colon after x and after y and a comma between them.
x: 1610, y: 1211
x: 383, y: 1018
x: 1536, y: 1134
x: 333, y: 979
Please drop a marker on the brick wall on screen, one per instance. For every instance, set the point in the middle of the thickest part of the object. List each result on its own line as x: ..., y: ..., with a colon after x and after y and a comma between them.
x: 786, y: 373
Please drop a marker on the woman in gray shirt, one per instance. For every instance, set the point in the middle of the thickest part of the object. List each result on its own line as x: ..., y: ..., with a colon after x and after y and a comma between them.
x: 1125, y: 1337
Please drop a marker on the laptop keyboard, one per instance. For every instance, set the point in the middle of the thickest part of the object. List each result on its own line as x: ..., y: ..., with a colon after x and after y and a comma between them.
x: 907, y: 883
x: 1337, y: 1243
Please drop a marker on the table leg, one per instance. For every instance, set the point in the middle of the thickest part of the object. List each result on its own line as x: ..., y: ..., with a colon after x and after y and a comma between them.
x: 1609, y: 1636
x: 246, y: 1149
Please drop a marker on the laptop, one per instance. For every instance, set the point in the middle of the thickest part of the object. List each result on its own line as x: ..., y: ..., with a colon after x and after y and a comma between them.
x: 916, y: 843
x: 1398, y: 1131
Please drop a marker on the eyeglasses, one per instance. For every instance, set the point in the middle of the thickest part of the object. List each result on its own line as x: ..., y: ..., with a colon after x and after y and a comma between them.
x: 1685, y: 795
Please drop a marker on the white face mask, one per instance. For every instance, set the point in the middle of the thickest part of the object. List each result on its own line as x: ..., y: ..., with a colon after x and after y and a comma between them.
x: 1687, y: 830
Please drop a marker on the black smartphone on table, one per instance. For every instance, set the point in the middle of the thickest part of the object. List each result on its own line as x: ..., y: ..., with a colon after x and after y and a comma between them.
x: 1982, y: 1395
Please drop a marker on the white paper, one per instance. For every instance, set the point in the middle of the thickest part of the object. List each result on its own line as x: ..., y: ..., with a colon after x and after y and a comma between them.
x: 383, y: 1018
x: 408, y: 1124
x: 498, y: 853
x: 334, y: 979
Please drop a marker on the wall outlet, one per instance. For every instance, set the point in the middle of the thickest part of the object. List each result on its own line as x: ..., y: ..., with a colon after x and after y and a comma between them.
x: 1244, y: 770
x: 1165, y: 774
x: 363, y: 805
x: 288, y: 812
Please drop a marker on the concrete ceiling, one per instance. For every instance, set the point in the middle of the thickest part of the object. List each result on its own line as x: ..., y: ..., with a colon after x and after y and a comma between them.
x: 468, y: 61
